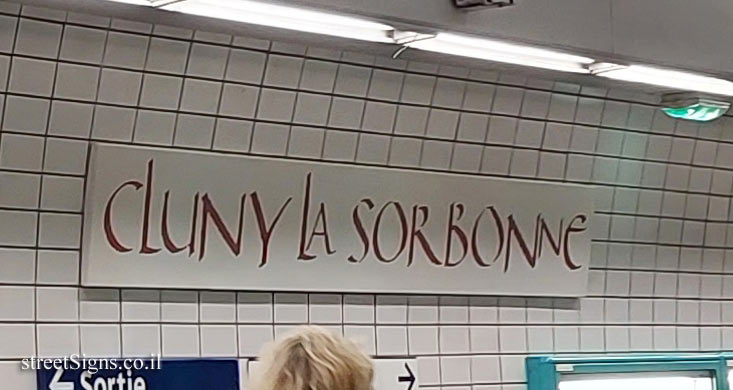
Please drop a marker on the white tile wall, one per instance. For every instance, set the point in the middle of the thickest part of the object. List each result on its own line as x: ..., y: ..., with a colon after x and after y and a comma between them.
x: 662, y: 278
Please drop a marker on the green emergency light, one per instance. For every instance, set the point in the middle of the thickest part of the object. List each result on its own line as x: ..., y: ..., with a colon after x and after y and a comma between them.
x: 693, y: 108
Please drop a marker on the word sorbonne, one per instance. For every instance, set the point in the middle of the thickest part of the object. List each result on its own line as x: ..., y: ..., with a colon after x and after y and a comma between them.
x: 466, y: 237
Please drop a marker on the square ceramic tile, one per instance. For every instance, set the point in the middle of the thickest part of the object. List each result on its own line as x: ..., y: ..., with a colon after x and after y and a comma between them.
x: 82, y: 44
x: 59, y: 231
x: 200, y: 96
x: 391, y: 340
x: 239, y: 101
x: 254, y: 307
x: 385, y: 85
x: 411, y: 120
x: 232, y: 135
x: 65, y: 156
x: 113, y: 123
x: 312, y: 109
x: 167, y: 55
x: 418, y: 89
x: 217, y: 306
x: 17, y: 340
x: 180, y: 341
x: 26, y: 115
x: 379, y: 117
x: 359, y: 309
x: 340, y: 146
x: 161, y: 91
x: 346, y: 113
x: 70, y: 119
x: 373, y: 149
x: 126, y: 50
x: 219, y: 341
x: 306, y: 142
x: 99, y: 305
x: 100, y: 340
x: 479, y: 97
x: 207, y: 60
x: 179, y: 306
x: 449, y: 93
x: 19, y: 190
x: 270, y: 139
x: 55, y: 341
x: 318, y: 76
x: 276, y: 105
x: 472, y: 127
x: 17, y: 303
x: 30, y: 76
x: 283, y: 71
x: 245, y: 66
x: 38, y: 38
x: 252, y: 338
x: 352, y: 80
x: 59, y: 267
x: 18, y: 228
x: 119, y: 87
x: 154, y: 127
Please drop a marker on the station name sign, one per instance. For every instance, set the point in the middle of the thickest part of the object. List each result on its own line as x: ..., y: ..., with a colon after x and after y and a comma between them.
x: 164, y: 218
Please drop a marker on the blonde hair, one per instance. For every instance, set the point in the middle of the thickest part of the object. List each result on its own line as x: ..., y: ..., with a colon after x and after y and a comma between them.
x: 312, y: 358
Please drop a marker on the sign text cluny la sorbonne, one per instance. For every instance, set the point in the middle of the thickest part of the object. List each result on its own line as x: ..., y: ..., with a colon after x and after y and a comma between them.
x: 163, y: 218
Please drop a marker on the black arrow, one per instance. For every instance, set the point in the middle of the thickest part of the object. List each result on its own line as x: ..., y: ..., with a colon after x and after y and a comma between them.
x: 407, y: 378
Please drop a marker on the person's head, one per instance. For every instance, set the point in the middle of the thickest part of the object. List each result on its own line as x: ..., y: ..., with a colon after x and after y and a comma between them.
x: 312, y: 358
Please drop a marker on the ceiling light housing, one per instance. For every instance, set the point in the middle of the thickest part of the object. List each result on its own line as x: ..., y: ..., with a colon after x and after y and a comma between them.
x: 497, y: 51
x: 666, y: 78
x: 286, y: 17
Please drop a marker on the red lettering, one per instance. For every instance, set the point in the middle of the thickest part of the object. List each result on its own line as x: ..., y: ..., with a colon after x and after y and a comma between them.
x: 544, y: 231
x: 108, y: 230
x: 165, y: 230
x: 265, y: 231
x: 145, y: 248
x: 416, y: 232
x: 210, y: 212
x: 302, y: 255
x: 403, y: 228
x: 455, y: 229
x: 513, y: 230
x: 321, y: 220
x: 571, y: 229
x: 359, y: 226
x: 474, y: 237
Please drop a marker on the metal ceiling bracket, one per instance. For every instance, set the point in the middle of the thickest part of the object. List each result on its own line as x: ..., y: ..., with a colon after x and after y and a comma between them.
x: 478, y: 5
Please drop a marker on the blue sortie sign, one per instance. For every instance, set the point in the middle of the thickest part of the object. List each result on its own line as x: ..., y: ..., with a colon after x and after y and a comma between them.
x: 200, y: 374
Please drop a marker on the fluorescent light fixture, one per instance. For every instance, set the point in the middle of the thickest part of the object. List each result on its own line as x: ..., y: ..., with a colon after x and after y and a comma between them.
x: 148, y: 3
x: 135, y: 2
x: 664, y: 78
x: 286, y: 17
x: 491, y: 50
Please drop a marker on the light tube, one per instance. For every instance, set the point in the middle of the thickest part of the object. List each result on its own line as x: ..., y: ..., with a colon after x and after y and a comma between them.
x: 665, y: 78
x: 135, y: 2
x: 491, y: 50
x: 285, y: 17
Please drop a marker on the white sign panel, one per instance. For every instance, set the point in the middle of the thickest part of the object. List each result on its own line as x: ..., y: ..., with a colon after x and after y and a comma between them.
x: 389, y: 374
x: 395, y: 374
x: 161, y: 218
